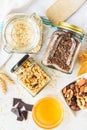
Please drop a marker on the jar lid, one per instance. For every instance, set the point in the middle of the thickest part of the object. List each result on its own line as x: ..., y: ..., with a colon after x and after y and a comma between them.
x: 71, y: 27
x: 19, y: 63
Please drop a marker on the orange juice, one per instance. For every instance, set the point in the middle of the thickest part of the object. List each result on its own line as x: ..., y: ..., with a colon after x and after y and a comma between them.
x: 48, y: 113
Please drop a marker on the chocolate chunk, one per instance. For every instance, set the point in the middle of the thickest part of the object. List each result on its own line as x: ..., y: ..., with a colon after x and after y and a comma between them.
x: 16, y: 111
x: 20, y: 118
x: 15, y: 101
x: 24, y: 114
x: 21, y: 114
x: 28, y: 107
x: 20, y: 105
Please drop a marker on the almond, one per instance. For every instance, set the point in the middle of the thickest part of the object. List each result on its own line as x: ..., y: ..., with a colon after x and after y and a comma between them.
x: 81, y: 82
x: 64, y: 90
x: 82, y: 89
x: 77, y: 89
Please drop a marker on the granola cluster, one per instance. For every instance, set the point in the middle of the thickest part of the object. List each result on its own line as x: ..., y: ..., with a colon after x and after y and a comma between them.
x: 32, y: 77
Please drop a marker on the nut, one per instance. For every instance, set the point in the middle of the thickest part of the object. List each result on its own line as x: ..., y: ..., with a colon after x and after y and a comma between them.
x: 72, y: 86
x: 86, y: 104
x: 85, y: 97
x: 64, y: 90
x: 75, y: 108
x: 82, y: 89
x: 81, y: 82
x: 76, y: 94
x: 77, y: 89
x: 69, y: 94
x: 81, y: 102
x: 68, y: 102
x: 85, y: 89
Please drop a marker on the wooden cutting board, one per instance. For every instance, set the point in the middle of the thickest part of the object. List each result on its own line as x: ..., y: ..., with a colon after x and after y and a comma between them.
x: 63, y: 9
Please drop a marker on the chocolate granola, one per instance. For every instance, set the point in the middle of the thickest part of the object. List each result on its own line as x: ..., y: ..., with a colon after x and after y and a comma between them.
x: 63, y: 51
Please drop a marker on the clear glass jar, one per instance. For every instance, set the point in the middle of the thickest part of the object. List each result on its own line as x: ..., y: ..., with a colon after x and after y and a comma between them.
x: 30, y: 75
x: 22, y: 33
x: 63, y: 48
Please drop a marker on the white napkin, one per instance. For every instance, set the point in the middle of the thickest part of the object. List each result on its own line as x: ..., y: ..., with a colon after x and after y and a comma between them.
x: 6, y: 7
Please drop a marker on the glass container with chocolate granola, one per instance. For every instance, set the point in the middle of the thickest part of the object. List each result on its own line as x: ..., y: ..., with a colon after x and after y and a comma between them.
x: 30, y: 75
x: 63, y: 48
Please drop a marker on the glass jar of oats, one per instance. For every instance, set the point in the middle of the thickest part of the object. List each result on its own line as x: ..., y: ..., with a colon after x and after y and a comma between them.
x: 23, y: 33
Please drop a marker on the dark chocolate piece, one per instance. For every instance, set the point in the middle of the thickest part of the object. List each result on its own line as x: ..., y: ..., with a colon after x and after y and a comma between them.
x: 21, y: 114
x: 20, y: 105
x: 20, y: 118
x: 16, y: 111
x: 24, y: 114
x: 28, y: 107
x: 15, y: 101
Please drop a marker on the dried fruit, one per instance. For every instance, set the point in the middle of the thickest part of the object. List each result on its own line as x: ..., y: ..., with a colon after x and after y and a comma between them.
x: 82, y: 57
x: 83, y: 68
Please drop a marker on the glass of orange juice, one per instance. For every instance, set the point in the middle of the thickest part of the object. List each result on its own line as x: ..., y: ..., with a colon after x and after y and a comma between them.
x: 48, y: 113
